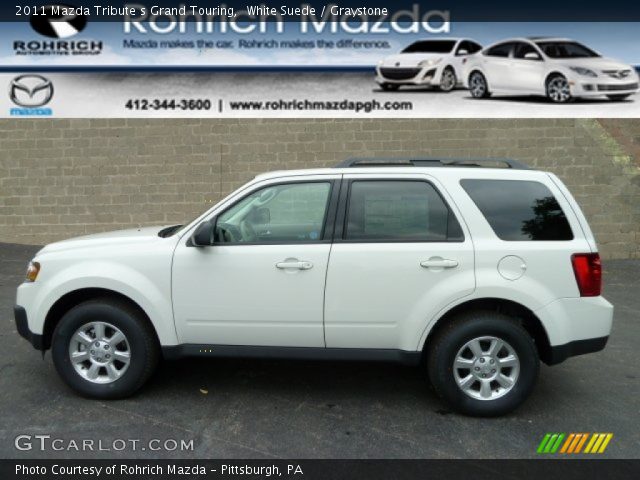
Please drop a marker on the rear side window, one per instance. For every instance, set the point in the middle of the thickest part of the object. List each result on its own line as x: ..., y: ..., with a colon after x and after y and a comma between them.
x: 399, y: 211
x: 519, y: 210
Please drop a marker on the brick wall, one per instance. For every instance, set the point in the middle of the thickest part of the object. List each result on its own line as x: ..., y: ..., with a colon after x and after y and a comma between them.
x: 60, y: 178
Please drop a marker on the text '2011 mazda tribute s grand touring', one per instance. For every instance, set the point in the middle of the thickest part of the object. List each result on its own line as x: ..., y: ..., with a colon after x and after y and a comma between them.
x: 475, y: 273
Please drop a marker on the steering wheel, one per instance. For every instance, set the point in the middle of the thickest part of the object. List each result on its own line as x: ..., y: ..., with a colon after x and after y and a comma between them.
x: 230, y: 233
x: 247, y: 232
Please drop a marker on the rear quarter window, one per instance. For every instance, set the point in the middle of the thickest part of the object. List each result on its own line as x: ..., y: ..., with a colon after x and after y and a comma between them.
x: 519, y: 210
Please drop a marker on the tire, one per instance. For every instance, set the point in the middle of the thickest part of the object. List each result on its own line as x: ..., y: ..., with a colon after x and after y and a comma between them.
x: 389, y: 87
x: 451, y: 342
x: 115, y: 375
x: 618, y: 98
x: 448, y: 80
x: 558, y: 89
x: 478, y: 86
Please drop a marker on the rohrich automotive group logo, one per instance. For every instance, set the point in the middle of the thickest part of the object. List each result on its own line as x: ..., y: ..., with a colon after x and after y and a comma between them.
x: 31, y: 93
x: 58, y: 22
x: 574, y: 443
x: 52, y: 21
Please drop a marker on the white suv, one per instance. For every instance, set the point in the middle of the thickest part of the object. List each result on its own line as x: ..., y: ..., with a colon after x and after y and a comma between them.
x: 558, y: 68
x: 476, y: 272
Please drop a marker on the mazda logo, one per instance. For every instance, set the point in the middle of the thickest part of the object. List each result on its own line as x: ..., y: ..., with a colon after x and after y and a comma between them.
x: 30, y: 91
x: 51, y: 22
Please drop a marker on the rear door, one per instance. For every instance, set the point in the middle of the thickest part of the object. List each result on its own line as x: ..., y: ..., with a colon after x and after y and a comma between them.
x: 400, y: 254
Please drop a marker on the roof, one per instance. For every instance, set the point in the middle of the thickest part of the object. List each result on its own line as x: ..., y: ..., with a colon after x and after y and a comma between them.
x: 403, y: 165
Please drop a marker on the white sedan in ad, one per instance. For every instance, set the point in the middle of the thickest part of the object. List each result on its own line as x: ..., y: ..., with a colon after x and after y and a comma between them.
x: 436, y: 63
x: 560, y: 69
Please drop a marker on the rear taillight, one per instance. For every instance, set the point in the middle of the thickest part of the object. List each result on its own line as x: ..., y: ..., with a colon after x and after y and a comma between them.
x: 588, y: 270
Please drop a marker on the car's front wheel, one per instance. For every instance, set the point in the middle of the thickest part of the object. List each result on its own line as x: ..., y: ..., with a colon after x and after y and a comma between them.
x: 104, y: 348
x: 448, y: 80
x: 618, y: 98
x: 478, y: 86
x: 483, y: 363
x: 558, y: 89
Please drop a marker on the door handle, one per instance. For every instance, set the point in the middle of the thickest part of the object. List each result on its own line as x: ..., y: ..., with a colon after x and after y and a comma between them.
x: 294, y: 265
x: 438, y: 262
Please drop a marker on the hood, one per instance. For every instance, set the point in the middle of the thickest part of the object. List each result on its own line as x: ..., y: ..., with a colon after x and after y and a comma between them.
x: 410, y: 59
x: 119, y: 237
x: 595, y: 63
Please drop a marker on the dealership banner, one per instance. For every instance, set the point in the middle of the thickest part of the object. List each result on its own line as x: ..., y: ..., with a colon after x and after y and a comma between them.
x: 314, y: 59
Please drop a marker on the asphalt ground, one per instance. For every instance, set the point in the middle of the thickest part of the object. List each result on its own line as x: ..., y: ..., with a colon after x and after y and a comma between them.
x: 300, y: 409
x: 109, y: 93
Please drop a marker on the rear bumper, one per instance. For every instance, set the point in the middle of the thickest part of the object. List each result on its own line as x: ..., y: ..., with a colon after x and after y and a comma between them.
x: 575, y: 326
x: 22, y: 325
x: 559, y: 353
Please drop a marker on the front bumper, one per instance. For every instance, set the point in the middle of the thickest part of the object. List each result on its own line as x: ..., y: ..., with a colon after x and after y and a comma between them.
x: 409, y: 75
x: 22, y: 325
x: 596, y: 87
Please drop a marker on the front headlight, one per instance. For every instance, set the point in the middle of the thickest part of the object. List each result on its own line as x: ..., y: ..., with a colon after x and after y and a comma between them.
x: 380, y: 63
x: 584, y: 71
x: 32, y: 271
x: 429, y: 63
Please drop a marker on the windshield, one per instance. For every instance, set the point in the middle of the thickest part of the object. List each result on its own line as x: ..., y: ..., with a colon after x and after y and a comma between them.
x: 431, y: 46
x: 566, y: 50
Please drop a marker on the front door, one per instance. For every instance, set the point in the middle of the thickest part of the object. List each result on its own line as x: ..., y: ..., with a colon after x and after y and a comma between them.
x: 262, y: 282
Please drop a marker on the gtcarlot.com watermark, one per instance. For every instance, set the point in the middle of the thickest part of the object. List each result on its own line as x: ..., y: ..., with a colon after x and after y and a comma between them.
x: 48, y: 443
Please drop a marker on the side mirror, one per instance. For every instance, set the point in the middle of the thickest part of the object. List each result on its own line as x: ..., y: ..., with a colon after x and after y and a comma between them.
x: 532, y: 56
x: 463, y: 51
x: 203, y: 236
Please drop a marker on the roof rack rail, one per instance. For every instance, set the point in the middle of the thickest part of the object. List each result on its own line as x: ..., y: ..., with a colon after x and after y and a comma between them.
x: 432, y: 162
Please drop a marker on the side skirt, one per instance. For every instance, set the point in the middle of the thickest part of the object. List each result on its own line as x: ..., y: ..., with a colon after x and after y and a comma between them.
x: 295, y: 353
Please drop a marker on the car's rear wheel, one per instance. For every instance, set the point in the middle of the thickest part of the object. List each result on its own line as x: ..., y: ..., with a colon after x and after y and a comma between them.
x: 483, y: 363
x: 558, y: 89
x: 478, y: 86
x: 618, y: 98
x: 104, y: 349
x: 389, y: 87
x: 448, y: 80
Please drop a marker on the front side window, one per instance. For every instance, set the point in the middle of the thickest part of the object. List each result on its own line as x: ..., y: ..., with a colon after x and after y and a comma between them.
x: 519, y: 210
x: 286, y: 213
x: 501, y: 50
x: 469, y: 46
x: 523, y: 49
x: 405, y: 211
x: 566, y: 50
x: 430, y: 46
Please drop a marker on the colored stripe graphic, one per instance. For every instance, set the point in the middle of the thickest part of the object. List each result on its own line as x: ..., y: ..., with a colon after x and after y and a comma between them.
x: 573, y: 443
x: 550, y: 443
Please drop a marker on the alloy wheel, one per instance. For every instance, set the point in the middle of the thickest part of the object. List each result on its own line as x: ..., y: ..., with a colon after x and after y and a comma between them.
x: 99, y: 352
x: 478, y: 85
x: 558, y: 90
x: 448, y: 80
x: 486, y: 368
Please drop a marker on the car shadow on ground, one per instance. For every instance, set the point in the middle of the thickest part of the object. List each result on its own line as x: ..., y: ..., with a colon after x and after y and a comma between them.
x: 544, y: 101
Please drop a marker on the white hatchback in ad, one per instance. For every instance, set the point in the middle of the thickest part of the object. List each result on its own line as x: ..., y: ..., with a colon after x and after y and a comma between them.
x: 436, y: 63
x: 560, y: 69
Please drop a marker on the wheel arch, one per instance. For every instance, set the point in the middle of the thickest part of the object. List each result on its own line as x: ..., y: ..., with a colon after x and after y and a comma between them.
x: 552, y: 74
x: 527, y: 318
x: 69, y: 300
